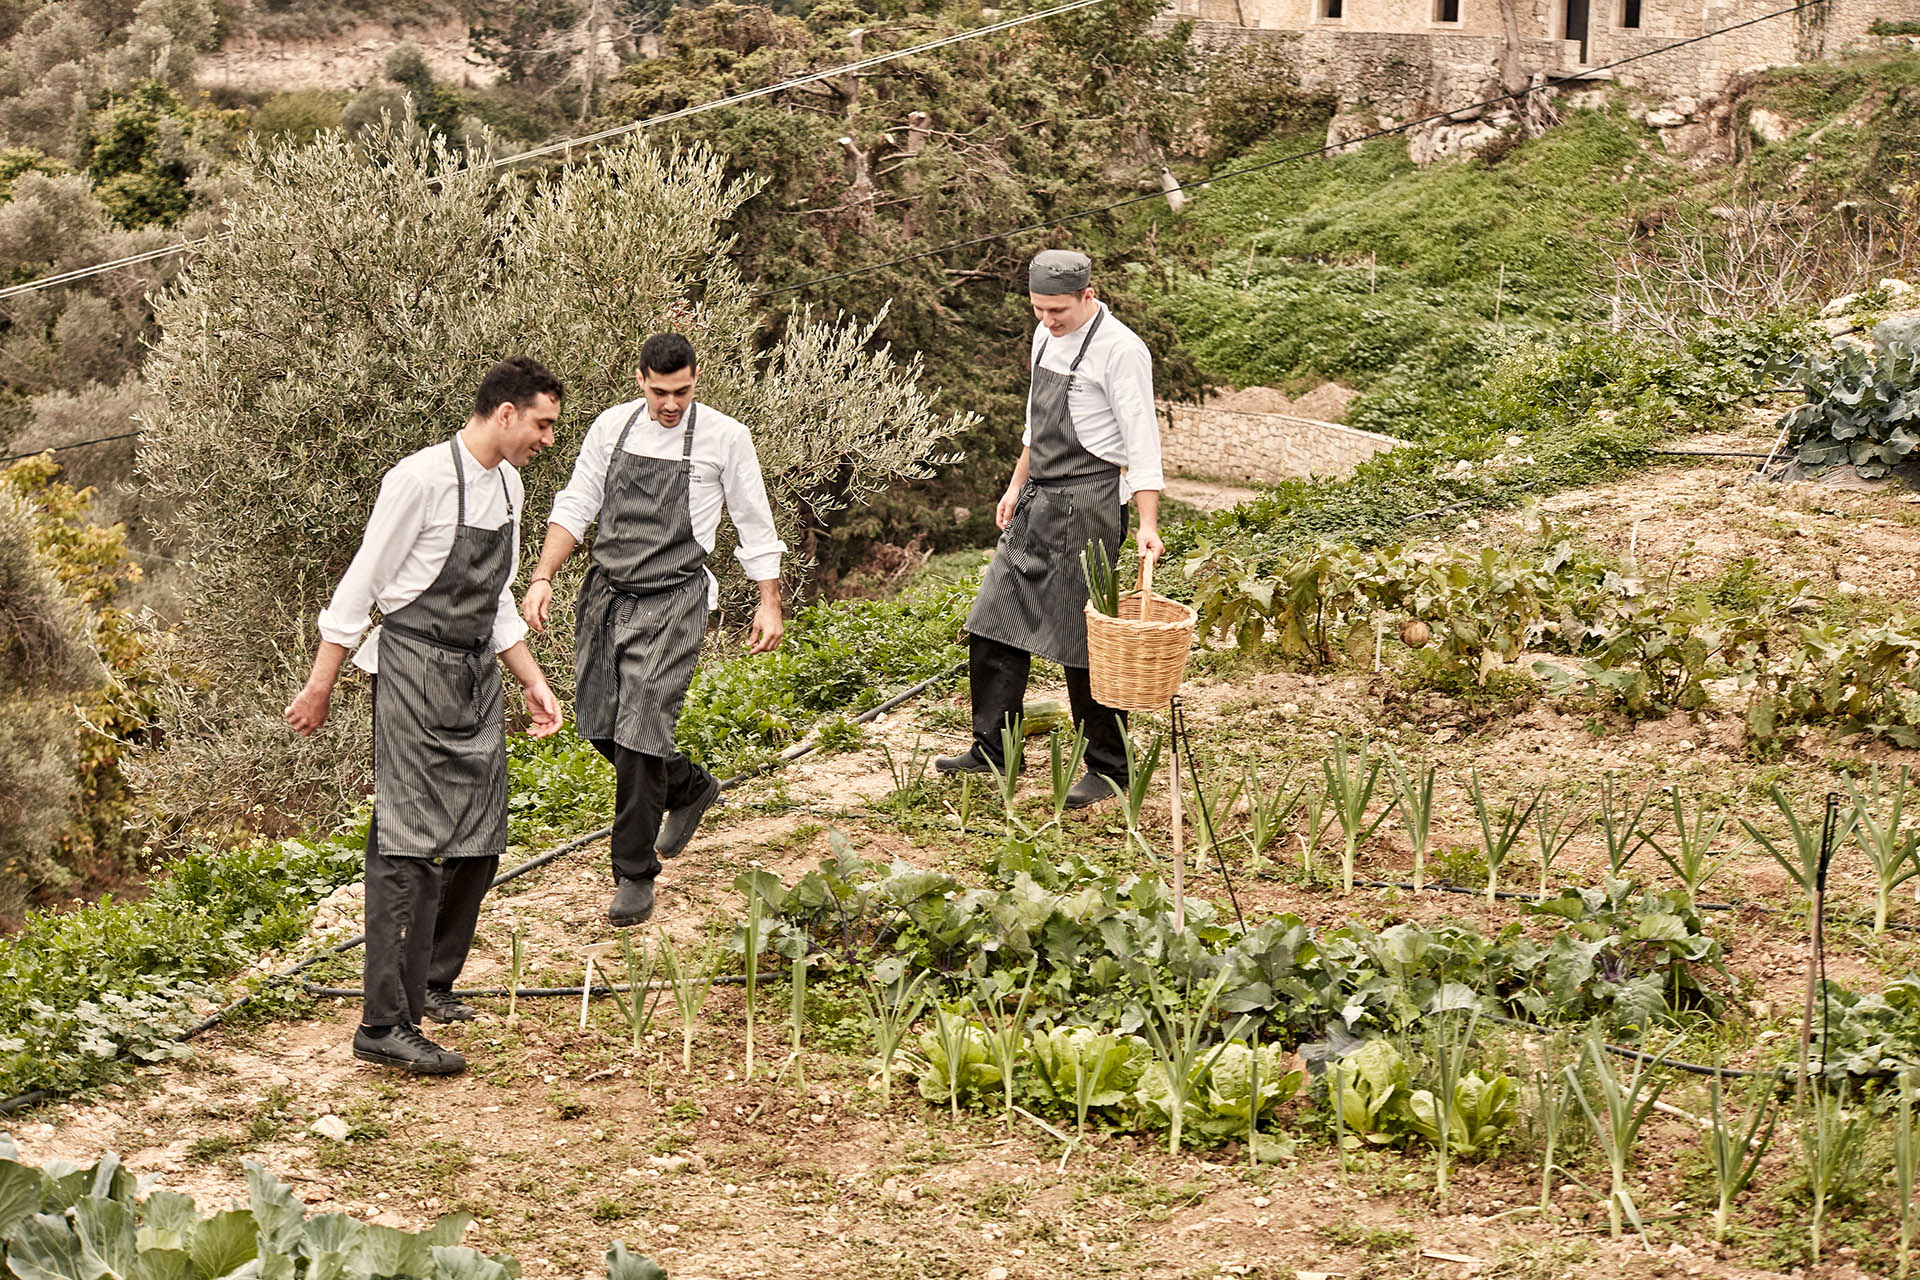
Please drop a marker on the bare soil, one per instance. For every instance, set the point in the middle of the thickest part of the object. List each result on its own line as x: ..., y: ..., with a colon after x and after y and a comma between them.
x: 559, y: 1138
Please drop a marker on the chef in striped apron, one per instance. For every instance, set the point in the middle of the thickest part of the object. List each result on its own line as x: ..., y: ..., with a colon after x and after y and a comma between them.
x: 1092, y: 443
x: 438, y: 560
x: 655, y: 473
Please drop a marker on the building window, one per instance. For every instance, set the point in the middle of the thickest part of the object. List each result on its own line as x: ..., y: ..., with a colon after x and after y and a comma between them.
x: 1331, y: 8
x: 1446, y: 10
x: 1630, y: 15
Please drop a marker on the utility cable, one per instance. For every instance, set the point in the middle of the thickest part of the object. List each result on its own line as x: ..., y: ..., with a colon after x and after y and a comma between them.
x: 62, y: 448
x: 1328, y: 149
x: 592, y: 139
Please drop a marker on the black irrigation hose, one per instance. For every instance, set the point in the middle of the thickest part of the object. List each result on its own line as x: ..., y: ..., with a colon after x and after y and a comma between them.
x: 531, y: 993
x: 1507, y: 894
x: 20, y: 1102
x: 1640, y: 1055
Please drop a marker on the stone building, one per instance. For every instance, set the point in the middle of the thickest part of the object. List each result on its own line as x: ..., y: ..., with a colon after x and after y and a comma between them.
x: 1391, y: 59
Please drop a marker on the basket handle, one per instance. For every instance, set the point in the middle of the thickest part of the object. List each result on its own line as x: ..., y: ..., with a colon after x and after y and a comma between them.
x: 1146, y: 584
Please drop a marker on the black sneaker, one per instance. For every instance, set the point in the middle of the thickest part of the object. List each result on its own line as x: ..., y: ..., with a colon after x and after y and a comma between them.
x: 405, y: 1048
x: 444, y: 1006
x: 968, y: 761
x: 1090, y: 790
x: 681, y: 823
x: 632, y: 903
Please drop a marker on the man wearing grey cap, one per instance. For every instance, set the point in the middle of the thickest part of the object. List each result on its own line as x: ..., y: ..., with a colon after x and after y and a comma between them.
x: 1092, y: 441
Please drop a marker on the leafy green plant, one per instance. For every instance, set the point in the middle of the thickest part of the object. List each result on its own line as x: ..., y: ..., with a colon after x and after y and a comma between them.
x: 1735, y: 1152
x: 692, y: 983
x: 1413, y: 795
x: 1691, y: 856
x: 1081, y: 1069
x: 1351, y: 775
x: 1245, y: 1082
x: 893, y: 1003
x: 1862, y: 404
x: 1624, y: 1101
x: 1498, y: 836
x: 1369, y: 1089
x: 1894, y: 853
x: 1466, y: 1112
x: 909, y: 775
x: 1103, y: 585
x: 1831, y: 1136
x: 1175, y: 1025
x: 959, y: 1061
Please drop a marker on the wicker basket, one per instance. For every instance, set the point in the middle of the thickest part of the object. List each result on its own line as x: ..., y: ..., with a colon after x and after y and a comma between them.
x: 1139, y: 658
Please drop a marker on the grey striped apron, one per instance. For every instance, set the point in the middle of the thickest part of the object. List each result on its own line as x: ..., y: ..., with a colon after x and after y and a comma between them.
x: 642, y: 612
x: 1033, y: 593
x: 439, y: 736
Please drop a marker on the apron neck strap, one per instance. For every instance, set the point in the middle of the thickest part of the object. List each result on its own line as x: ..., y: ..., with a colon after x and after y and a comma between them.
x: 621, y: 443
x: 1098, y: 315
x: 686, y: 440
x: 460, y: 482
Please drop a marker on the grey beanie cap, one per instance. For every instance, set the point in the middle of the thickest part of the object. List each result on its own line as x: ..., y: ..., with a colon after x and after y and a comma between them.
x: 1059, y: 271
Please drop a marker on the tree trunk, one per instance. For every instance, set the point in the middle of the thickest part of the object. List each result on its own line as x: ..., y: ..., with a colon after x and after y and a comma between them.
x: 1513, y: 77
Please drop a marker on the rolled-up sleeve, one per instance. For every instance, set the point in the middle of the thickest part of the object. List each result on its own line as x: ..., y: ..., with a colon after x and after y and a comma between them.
x: 578, y: 505
x: 399, y: 514
x: 745, y: 492
x: 1130, y: 389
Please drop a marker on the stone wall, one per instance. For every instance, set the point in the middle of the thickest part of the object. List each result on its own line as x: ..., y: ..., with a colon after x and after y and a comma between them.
x: 1260, y: 448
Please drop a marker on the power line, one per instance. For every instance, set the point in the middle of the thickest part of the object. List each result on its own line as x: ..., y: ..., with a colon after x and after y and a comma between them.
x: 591, y: 139
x: 62, y: 448
x: 1231, y: 174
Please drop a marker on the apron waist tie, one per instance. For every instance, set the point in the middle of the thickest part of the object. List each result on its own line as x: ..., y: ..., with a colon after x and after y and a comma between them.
x: 1101, y: 476
x: 479, y: 656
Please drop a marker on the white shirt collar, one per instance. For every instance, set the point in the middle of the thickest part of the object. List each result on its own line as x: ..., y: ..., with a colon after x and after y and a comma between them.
x: 461, y: 438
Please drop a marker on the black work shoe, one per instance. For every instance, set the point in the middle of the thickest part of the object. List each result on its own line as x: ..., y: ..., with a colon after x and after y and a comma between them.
x: 405, y: 1048
x: 680, y: 824
x: 1090, y: 790
x: 444, y: 1006
x: 968, y: 761
x: 632, y: 903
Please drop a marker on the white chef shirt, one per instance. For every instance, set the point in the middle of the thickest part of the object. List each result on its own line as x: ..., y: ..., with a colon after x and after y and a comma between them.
x: 1111, y: 399
x: 408, y: 539
x: 726, y: 470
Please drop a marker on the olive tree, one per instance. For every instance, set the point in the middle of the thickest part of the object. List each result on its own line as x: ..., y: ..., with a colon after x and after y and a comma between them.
x: 344, y: 324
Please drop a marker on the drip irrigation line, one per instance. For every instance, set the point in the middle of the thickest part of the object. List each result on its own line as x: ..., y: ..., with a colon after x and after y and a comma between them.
x: 1183, y: 741
x: 62, y: 448
x: 593, y: 139
x: 1511, y: 894
x: 1641, y: 1055
x: 21, y: 1102
x: 533, y: 993
x: 1703, y: 453
x: 1329, y: 149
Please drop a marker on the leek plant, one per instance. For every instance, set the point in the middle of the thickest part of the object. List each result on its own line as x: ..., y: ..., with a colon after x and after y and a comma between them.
x: 1553, y: 836
x: 909, y: 776
x: 1830, y: 1138
x: 1103, y: 584
x: 1621, y: 825
x: 1733, y: 1151
x: 1414, y: 798
x: 1891, y: 850
x: 797, y: 1013
x: 1351, y: 775
x: 1175, y: 1026
x: 514, y: 962
x: 1269, y: 809
x: 1906, y: 1158
x: 893, y: 1007
x: 1006, y: 1033
x: 952, y: 1033
x: 1064, y: 768
x: 1803, y: 866
x: 755, y: 935
x: 1690, y: 859
x: 1497, y: 838
x: 1553, y: 1103
x: 1013, y: 758
x: 1448, y: 1040
x: 1615, y: 1117
x: 692, y: 984
x: 1316, y: 805
x: 640, y: 1002
x: 1141, y: 766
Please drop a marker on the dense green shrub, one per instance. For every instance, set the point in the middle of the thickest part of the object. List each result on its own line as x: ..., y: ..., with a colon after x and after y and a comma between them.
x: 1863, y: 403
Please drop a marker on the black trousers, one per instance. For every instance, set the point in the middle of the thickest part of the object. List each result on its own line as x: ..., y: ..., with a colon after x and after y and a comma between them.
x: 997, y: 674
x: 421, y: 914
x: 645, y: 788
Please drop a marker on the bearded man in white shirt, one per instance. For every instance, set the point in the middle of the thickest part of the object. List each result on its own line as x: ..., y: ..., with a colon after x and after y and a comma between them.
x: 655, y: 473
x: 438, y: 560
x: 1092, y: 443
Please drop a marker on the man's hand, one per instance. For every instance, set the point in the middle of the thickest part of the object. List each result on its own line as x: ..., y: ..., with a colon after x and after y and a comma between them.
x: 1149, y: 541
x: 545, y: 710
x: 308, y: 711
x: 535, y: 604
x: 1003, y: 511
x: 768, y: 626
